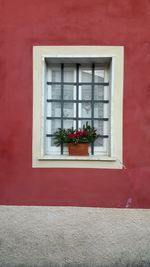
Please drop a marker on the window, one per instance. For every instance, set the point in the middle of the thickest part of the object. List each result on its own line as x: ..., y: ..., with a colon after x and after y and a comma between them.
x: 73, y: 85
x: 77, y: 93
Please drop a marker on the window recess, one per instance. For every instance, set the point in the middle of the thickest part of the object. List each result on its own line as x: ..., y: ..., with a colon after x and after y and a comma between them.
x: 74, y: 94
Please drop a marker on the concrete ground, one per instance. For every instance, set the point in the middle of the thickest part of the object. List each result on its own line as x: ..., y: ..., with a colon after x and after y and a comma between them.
x: 74, y: 237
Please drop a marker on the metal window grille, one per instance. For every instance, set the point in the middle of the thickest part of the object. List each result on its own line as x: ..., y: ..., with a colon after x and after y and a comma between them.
x: 78, y: 86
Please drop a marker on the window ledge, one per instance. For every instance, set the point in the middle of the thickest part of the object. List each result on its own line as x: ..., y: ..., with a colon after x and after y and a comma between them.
x: 65, y: 161
x: 78, y: 158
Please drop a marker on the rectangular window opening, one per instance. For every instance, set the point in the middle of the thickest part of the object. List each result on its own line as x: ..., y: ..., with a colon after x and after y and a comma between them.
x: 76, y: 93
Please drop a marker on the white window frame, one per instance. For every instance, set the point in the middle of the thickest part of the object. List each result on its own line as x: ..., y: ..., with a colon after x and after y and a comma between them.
x: 114, y: 160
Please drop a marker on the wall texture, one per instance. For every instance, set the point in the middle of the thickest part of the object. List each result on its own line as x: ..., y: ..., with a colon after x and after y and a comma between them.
x: 69, y: 22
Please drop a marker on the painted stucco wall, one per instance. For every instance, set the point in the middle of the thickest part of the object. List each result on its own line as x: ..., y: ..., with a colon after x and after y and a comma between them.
x: 69, y: 22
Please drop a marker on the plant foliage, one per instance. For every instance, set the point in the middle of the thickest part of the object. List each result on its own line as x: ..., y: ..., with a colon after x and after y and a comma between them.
x: 87, y: 134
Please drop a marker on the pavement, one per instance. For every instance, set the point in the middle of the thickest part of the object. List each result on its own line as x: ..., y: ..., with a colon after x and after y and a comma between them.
x: 74, y: 237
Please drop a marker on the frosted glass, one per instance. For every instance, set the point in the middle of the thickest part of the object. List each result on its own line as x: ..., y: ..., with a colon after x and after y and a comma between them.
x: 55, y: 125
x: 99, y: 125
x: 99, y: 142
x: 56, y: 109
x: 86, y: 75
x: 98, y: 92
x: 99, y: 76
x: 68, y: 75
x: 98, y: 110
x: 68, y: 92
x: 68, y: 110
x: 68, y: 124
x: 56, y: 75
x: 86, y: 92
x: 56, y: 91
x: 86, y: 110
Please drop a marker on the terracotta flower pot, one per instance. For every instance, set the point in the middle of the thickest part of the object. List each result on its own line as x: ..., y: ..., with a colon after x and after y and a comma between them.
x: 78, y: 149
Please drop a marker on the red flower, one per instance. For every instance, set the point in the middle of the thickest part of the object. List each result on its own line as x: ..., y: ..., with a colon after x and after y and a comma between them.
x: 78, y: 134
x: 85, y: 133
x: 71, y: 135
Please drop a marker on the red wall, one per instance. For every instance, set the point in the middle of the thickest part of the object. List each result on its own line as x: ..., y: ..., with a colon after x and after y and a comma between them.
x: 70, y: 22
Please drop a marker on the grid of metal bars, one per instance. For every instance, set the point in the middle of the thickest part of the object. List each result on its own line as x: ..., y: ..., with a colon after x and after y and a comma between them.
x: 77, y: 83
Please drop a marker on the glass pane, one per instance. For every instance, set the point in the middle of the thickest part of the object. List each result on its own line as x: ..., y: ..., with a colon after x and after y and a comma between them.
x: 49, y: 90
x: 86, y: 92
x: 48, y: 110
x: 50, y: 142
x: 68, y: 75
x: 99, y: 76
x: 56, y: 109
x: 69, y: 92
x: 48, y: 127
x: 98, y: 92
x: 55, y: 91
x: 56, y: 74
x: 68, y: 110
x: 86, y: 75
x: 85, y: 110
x: 99, y: 125
x: 99, y: 142
x: 98, y: 110
x: 68, y: 124
x: 52, y: 126
x: 55, y: 124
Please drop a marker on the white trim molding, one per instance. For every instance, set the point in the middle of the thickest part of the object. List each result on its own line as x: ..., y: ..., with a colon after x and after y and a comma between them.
x: 116, y: 55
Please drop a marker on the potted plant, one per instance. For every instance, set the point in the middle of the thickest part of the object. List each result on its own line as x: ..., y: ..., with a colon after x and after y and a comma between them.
x: 77, y: 140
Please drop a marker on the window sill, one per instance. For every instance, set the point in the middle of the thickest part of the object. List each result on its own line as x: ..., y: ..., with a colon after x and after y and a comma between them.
x: 77, y: 158
x: 64, y: 161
